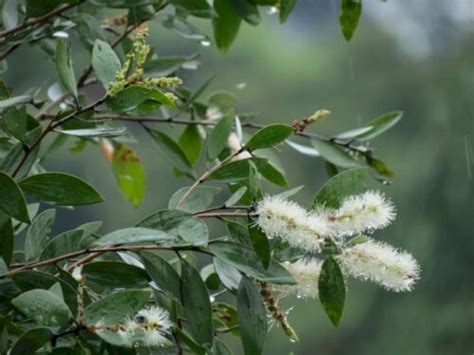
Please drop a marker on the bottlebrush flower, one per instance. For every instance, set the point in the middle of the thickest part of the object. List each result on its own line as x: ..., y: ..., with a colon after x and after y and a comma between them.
x: 381, y: 263
x: 149, y: 326
x: 359, y: 213
x: 278, y: 217
x: 306, y: 274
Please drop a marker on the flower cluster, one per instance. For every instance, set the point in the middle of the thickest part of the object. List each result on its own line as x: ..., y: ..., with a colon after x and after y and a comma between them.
x: 149, y: 327
x: 132, y: 71
x: 309, y: 230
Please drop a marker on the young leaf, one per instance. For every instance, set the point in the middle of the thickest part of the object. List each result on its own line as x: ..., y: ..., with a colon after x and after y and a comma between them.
x: 12, y: 201
x: 171, y: 151
x: 252, y: 317
x: 269, y: 136
x: 130, y: 174
x: 38, y: 234
x: 261, y: 245
x: 162, y: 273
x: 44, y: 307
x: 286, y: 6
x: 61, y: 189
x: 334, y: 154
x: 226, y: 24
x: 64, y: 67
x: 218, y: 137
x: 339, y: 186
x: 332, y: 290
x: 197, y: 306
x: 31, y: 340
x: 349, y: 17
x: 381, y: 124
x: 244, y: 259
x: 105, y: 63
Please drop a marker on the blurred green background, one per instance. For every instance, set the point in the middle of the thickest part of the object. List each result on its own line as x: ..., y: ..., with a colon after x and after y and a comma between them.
x: 414, y: 56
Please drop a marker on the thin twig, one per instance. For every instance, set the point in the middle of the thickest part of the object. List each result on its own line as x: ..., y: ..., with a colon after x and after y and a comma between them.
x: 206, y: 175
x: 37, y: 21
x: 29, y: 266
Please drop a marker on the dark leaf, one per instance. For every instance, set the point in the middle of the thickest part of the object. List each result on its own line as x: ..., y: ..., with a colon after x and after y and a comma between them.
x: 269, y: 136
x: 197, y: 306
x: 105, y: 63
x: 218, y: 137
x: 38, y: 234
x: 261, y: 245
x: 12, y: 201
x: 247, y: 10
x: 162, y: 273
x: 64, y: 67
x: 332, y: 290
x: 252, y: 317
x: 226, y: 24
x: 349, y: 17
x: 286, y: 6
x: 61, y: 189
x: 30, y: 341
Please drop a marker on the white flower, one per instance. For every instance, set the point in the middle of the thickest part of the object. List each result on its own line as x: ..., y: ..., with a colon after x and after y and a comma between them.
x: 381, y: 263
x: 359, y: 213
x: 306, y: 274
x: 77, y: 273
x: 278, y: 217
x: 149, y: 326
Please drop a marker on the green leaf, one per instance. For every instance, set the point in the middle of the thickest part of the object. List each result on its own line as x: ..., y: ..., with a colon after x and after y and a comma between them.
x: 105, y: 63
x: 252, y: 317
x: 198, y: 8
x: 164, y: 66
x: 332, y: 290
x: 191, y: 144
x: 164, y: 220
x: 261, y: 245
x: 134, y: 236
x: 223, y: 100
x: 269, y: 136
x: 197, y: 306
x: 129, y: 98
x: 10, y: 14
x: 117, y: 307
x: 64, y: 67
x: 171, y: 151
x: 349, y: 17
x: 244, y: 259
x: 381, y: 124
x: 44, y: 307
x: 234, y: 171
x: 199, y: 199
x: 122, y: 4
x: 162, y: 273
x: 94, y: 132
x: 30, y: 341
x: 16, y: 122
x: 247, y: 10
x: 108, y: 275
x: 38, y: 234
x: 382, y: 170
x: 334, y: 154
x: 61, y: 189
x: 64, y: 243
x: 12, y: 201
x: 226, y: 24
x: 35, y: 8
x: 6, y: 238
x: 340, y: 186
x: 269, y: 172
x: 218, y: 137
x: 130, y: 174
x: 238, y: 232
x: 229, y: 275
x: 286, y: 6
x: 236, y: 196
x: 12, y: 101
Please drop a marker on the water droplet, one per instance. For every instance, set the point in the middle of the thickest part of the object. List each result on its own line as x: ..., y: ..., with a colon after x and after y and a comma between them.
x: 205, y: 43
x: 273, y: 10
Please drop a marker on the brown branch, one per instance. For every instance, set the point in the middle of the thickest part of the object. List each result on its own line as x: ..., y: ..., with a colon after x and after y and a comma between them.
x: 102, y: 250
x: 152, y: 119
